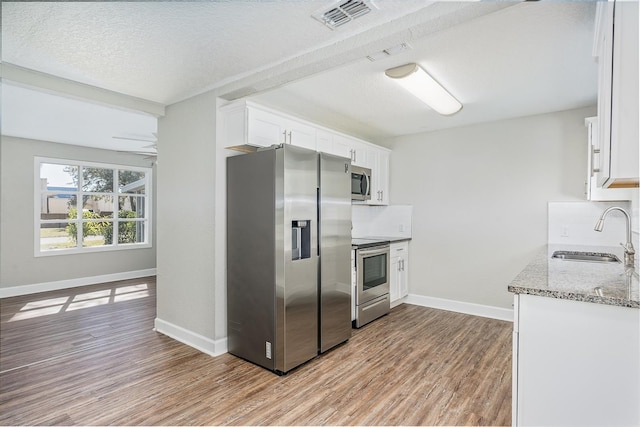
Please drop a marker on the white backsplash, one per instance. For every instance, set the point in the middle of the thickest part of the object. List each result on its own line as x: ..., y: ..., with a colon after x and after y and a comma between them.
x: 573, y: 222
x: 381, y: 221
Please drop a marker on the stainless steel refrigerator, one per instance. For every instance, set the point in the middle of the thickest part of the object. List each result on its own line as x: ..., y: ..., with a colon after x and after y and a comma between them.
x: 288, y: 255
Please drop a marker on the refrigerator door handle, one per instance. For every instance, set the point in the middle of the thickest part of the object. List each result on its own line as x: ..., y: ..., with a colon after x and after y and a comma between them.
x: 318, y: 220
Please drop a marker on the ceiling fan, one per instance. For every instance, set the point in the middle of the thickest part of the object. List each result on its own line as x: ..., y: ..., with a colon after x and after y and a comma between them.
x: 151, y: 150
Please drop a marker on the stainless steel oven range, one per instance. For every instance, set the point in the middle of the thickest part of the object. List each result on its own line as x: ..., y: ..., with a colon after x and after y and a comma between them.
x: 372, y: 281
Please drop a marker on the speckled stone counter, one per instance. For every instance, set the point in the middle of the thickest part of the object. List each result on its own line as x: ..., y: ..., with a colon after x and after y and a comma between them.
x: 600, y: 283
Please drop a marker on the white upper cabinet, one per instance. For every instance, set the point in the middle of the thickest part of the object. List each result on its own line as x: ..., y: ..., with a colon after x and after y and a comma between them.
x: 379, y: 176
x: 262, y: 128
x: 345, y: 146
x: 300, y: 134
x: 362, y: 154
x: 361, y: 150
x: 616, y: 47
x: 592, y: 191
x: 246, y: 123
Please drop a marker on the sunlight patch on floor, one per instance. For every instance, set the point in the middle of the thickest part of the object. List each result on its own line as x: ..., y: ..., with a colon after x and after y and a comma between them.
x: 57, y: 305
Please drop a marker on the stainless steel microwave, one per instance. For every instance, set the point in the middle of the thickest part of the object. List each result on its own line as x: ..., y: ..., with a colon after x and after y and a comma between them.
x: 360, y: 183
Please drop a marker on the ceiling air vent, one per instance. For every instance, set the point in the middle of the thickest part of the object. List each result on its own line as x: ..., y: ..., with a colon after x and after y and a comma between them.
x: 344, y: 12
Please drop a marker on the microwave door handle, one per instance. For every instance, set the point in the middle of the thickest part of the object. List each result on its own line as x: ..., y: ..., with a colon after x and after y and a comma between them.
x: 366, y: 191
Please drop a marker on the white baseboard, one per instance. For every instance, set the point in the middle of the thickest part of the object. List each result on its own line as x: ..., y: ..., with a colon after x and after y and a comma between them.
x: 461, y: 307
x: 14, y: 291
x: 192, y: 339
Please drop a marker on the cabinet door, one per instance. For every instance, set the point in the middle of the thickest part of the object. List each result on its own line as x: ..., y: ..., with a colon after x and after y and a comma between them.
x: 342, y: 146
x: 352, y: 148
x: 379, y: 177
x: 605, y: 61
x: 618, y: 93
x: 577, y: 363
x: 394, y: 279
x: 402, y: 250
x: 324, y: 142
x: 398, y: 282
x: 361, y: 154
x: 592, y: 191
x: 334, y: 143
x: 624, y: 96
x: 403, y: 285
x: 300, y: 134
x: 263, y: 128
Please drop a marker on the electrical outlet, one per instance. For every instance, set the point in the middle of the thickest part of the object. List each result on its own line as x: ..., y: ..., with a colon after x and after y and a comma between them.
x: 401, y: 228
x: 565, y: 231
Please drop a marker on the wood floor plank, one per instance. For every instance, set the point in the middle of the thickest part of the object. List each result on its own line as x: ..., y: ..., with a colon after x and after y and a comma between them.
x: 104, y: 365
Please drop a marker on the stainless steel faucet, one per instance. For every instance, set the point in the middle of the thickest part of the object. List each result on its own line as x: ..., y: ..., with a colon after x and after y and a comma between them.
x: 629, y: 251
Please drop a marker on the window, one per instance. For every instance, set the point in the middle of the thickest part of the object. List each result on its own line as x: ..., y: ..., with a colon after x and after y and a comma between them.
x: 84, y: 207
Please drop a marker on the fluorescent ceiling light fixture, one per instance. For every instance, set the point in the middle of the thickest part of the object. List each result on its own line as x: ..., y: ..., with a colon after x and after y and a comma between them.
x: 416, y: 80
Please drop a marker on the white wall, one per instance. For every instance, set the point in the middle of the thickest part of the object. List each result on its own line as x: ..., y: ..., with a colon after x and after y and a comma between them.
x: 479, y: 196
x: 186, y: 302
x: 20, y: 271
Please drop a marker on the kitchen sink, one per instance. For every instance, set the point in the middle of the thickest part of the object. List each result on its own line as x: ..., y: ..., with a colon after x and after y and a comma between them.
x: 585, y: 256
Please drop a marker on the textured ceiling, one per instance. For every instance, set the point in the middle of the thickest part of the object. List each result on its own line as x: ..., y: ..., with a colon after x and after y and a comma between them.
x: 167, y: 51
x: 500, y: 59
x: 528, y: 59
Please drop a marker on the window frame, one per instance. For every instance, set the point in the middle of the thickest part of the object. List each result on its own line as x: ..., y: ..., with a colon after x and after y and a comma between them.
x: 147, y: 220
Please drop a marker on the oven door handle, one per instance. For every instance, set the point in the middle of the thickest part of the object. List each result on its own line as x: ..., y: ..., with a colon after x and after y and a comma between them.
x: 373, y: 251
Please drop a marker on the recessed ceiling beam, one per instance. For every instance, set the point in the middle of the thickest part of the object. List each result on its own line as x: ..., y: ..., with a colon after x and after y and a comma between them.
x: 434, y: 18
x: 48, y: 83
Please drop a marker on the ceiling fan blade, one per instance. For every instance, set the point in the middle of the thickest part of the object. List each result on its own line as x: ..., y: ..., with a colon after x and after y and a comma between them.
x: 135, y: 139
x: 140, y: 153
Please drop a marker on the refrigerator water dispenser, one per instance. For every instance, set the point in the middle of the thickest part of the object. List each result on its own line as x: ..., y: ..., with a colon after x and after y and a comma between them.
x: 300, y: 239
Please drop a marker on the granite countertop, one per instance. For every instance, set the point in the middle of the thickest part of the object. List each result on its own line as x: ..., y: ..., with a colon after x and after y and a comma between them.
x: 599, y: 283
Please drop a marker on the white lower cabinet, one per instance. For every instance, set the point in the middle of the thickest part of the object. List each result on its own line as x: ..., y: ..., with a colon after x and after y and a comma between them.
x: 398, y: 272
x: 575, y: 363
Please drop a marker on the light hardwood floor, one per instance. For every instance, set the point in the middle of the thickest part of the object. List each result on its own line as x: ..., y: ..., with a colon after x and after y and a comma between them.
x: 89, y: 356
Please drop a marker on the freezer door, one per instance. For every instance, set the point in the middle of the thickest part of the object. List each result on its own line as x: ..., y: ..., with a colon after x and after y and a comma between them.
x: 334, y: 211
